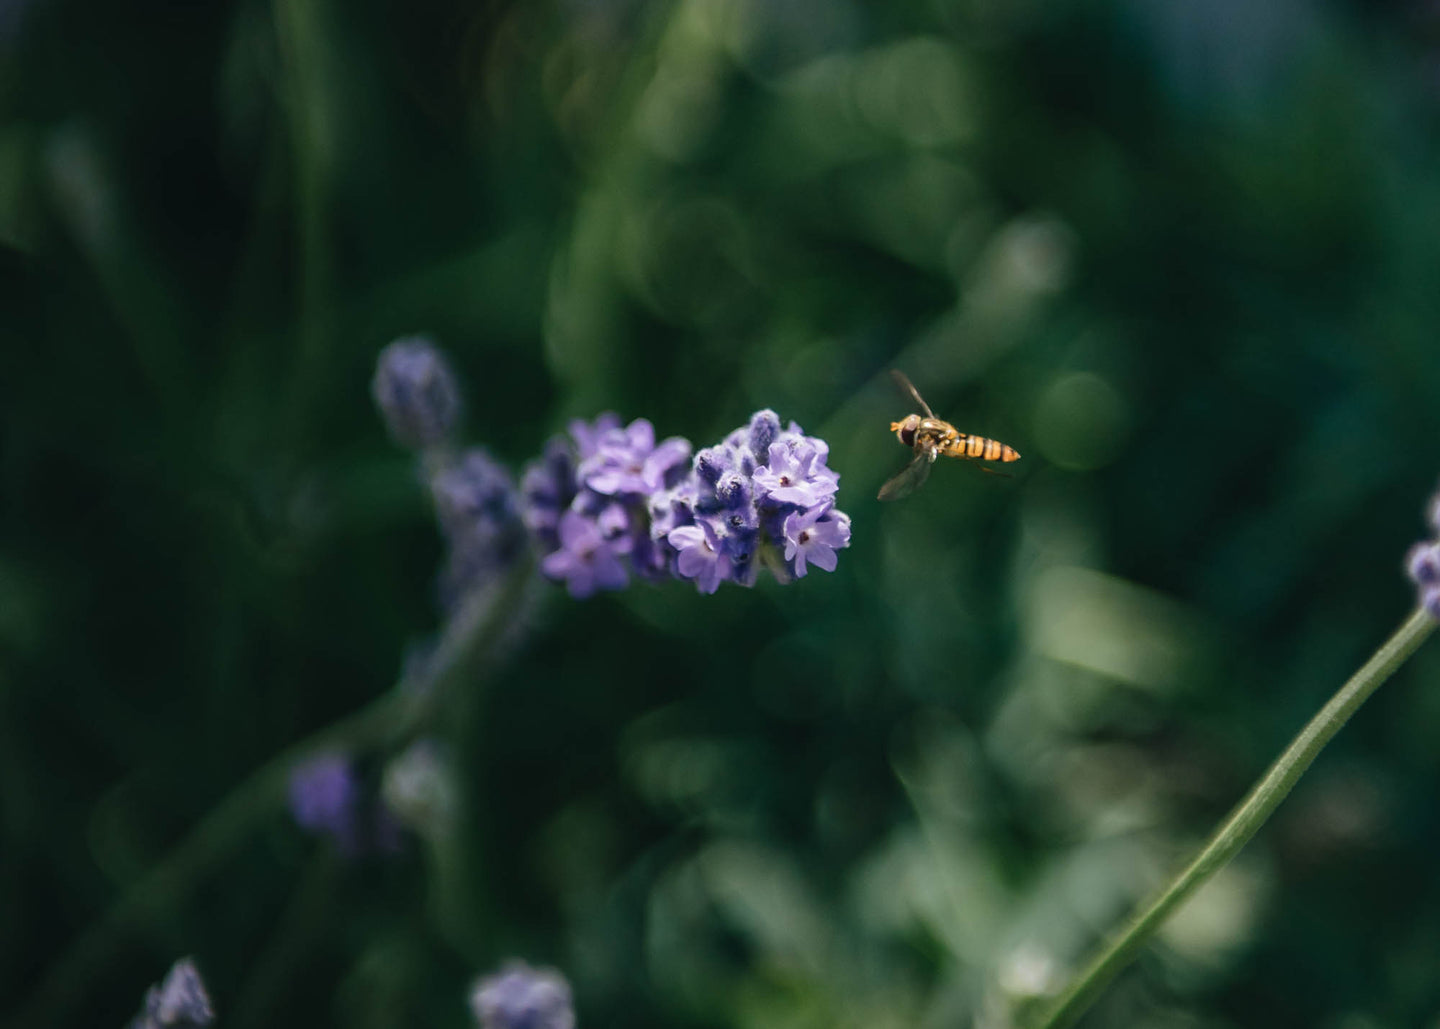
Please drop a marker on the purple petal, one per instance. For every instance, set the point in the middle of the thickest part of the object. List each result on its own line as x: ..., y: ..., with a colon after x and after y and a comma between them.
x: 824, y: 556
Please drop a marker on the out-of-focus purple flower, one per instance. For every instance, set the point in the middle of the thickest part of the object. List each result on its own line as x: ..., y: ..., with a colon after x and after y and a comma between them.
x: 178, y: 1002
x: 814, y: 536
x: 479, y: 513
x: 627, y: 462
x: 472, y: 488
x: 521, y: 997
x: 547, y: 488
x: 474, y: 495
x: 586, y: 560
x: 1422, y: 563
x: 589, y: 435
x: 1423, y: 566
x: 324, y: 797
x: 416, y: 392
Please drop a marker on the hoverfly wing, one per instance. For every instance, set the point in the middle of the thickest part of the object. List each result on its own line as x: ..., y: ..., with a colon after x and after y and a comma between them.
x: 906, y: 386
x: 909, y: 479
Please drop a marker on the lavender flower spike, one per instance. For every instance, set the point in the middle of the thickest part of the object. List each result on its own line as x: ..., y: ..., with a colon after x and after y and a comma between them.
x: 323, y: 797
x: 178, y: 1002
x: 521, y: 997
x: 1422, y: 564
x: 479, y: 513
x: 416, y: 392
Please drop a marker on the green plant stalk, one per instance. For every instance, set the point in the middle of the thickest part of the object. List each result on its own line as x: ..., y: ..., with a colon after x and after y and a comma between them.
x: 386, y: 722
x: 1262, y: 800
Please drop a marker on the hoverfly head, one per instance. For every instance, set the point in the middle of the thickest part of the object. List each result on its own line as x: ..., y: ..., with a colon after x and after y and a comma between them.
x: 905, y: 430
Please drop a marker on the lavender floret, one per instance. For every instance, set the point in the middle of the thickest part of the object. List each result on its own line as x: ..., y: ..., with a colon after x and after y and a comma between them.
x: 479, y: 513
x: 178, y: 1002
x: 547, y: 488
x: 416, y: 392
x: 763, y: 431
x: 700, y: 556
x: 586, y: 561
x: 326, y: 799
x: 787, y: 479
x: 628, y: 463
x: 1422, y: 563
x: 713, y: 462
x: 814, y: 536
x: 521, y: 997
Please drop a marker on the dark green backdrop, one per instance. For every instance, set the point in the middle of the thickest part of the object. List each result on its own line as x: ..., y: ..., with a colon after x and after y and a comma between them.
x: 1184, y: 257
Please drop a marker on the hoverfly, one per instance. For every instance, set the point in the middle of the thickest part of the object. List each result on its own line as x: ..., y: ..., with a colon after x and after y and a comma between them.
x: 929, y: 437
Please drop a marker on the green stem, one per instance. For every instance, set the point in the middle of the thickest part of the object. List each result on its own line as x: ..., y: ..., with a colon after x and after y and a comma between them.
x: 1262, y: 800
x: 385, y: 722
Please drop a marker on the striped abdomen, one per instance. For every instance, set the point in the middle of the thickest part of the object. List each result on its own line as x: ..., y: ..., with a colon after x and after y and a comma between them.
x: 980, y: 449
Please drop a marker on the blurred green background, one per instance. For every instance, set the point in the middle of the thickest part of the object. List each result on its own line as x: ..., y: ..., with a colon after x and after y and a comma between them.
x: 1184, y: 256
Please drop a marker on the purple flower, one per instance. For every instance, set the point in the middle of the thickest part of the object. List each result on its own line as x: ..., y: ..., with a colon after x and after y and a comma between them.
x: 521, y: 997
x: 713, y: 462
x: 416, y: 393
x: 788, y: 477
x: 479, y: 514
x: 546, y: 490
x: 609, y: 501
x: 473, y: 488
x: 814, y: 536
x: 763, y: 430
x: 589, y: 437
x: 1422, y: 564
x: 323, y: 797
x: 474, y: 495
x: 627, y: 461
x: 326, y: 799
x: 586, y: 560
x: 700, y: 556
x: 178, y: 1002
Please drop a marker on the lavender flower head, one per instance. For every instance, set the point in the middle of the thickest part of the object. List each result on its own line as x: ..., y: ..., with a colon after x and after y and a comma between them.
x: 326, y: 799
x: 586, y: 503
x: 1422, y: 564
x: 610, y: 502
x: 474, y: 495
x: 416, y: 392
x: 178, y: 1002
x: 766, y: 495
x: 521, y: 997
x: 478, y: 509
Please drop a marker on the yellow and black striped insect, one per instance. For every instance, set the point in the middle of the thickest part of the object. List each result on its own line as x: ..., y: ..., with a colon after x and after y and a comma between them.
x: 929, y: 437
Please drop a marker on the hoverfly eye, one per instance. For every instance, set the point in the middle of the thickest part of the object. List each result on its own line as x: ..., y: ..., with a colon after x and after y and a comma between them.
x: 907, y: 435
